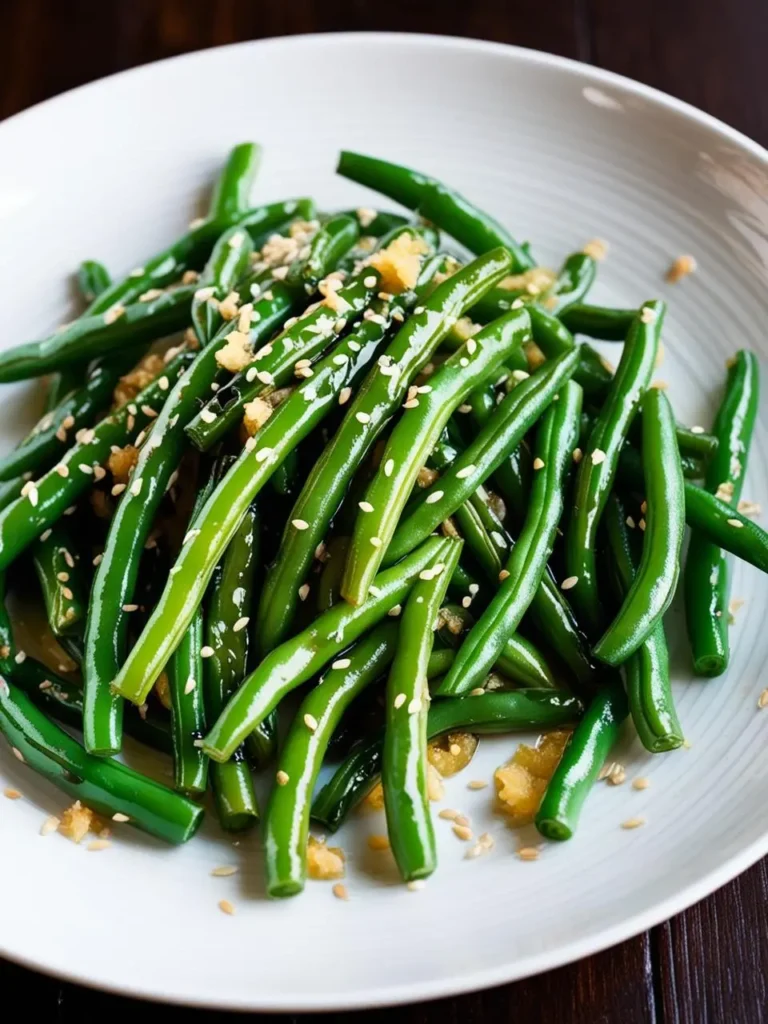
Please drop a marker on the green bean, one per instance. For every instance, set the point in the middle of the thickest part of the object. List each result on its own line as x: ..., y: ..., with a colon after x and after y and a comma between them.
x: 229, y: 639
x: 60, y: 573
x: 447, y: 209
x: 404, y: 761
x: 233, y: 188
x: 706, y: 567
x: 554, y: 338
x: 503, y: 432
x: 527, y: 564
x: 77, y: 410
x: 647, y: 670
x: 7, y: 642
x: 105, y: 786
x: 93, y: 279
x: 380, y: 395
x: 654, y: 585
x: 583, y: 757
x: 598, y: 467
x: 297, y: 660
x: 10, y: 490
x: 42, y: 502
x: 714, y: 519
x: 427, y: 412
x: 335, y: 238
x: 598, y: 321
x: 289, y: 424
x: 287, y: 818
x: 576, y: 277
x: 62, y: 699
x: 226, y: 266
x: 492, y: 713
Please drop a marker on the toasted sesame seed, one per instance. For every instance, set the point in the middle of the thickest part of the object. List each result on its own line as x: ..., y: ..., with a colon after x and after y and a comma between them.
x: 97, y: 845
x: 15, y: 750
x: 631, y: 823
x: 538, y: 463
x: 62, y: 470
x: 477, y: 784
x: 395, y: 611
x: 412, y: 403
x: 376, y: 542
x: 117, y: 489
x: 762, y: 700
x: 250, y: 444
x: 304, y: 592
x: 224, y: 871
x: 226, y: 907
x: 399, y: 700
x: 130, y: 607
x: 389, y: 467
x: 569, y: 582
x: 365, y: 506
x: 340, y: 891
x: 362, y: 417
x: 241, y: 623
x: 190, y: 685
x: 98, y: 559
x: 528, y: 853
x: 300, y: 524
x: 462, y: 832
x: 374, y: 591
x: 462, y: 474
x: 136, y: 487
x: 597, y: 456
x: 641, y: 783
x: 503, y: 575
x: 11, y: 794
x: 577, y: 455
x: 641, y: 524
x: 62, y: 576
x: 448, y: 814
x: 21, y: 657
x: 311, y: 722
x: 477, y: 692
x: 66, y: 593
x: 206, y: 651
x: 416, y: 885
x: 735, y: 522
x: 207, y: 415
x: 433, y: 497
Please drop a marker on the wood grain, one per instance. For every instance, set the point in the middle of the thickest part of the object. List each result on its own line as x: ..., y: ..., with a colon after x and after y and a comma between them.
x: 710, y: 963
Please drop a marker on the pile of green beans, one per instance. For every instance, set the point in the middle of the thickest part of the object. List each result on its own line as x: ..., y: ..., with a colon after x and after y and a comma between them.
x: 360, y: 472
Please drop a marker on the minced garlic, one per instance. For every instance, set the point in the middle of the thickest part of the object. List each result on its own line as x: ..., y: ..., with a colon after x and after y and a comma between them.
x: 450, y: 753
x: 520, y: 783
x: 142, y: 374
x: 76, y: 822
x: 256, y: 415
x: 121, y: 462
x: 399, y: 263
x: 324, y: 862
x: 237, y: 353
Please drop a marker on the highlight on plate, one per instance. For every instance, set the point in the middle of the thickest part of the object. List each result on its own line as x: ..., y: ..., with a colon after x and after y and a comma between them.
x: 361, y: 456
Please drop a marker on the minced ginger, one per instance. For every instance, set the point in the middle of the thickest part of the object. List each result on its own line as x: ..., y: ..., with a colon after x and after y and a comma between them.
x: 142, y: 374
x: 399, y: 263
x: 520, y: 783
x: 76, y: 822
x: 121, y: 462
x: 324, y: 862
x: 256, y: 415
x: 237, y: 353
x: 533, y: 281
x: 450, y: 753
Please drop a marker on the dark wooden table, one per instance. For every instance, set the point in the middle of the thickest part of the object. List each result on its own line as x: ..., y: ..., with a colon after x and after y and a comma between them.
x: 710, y: 963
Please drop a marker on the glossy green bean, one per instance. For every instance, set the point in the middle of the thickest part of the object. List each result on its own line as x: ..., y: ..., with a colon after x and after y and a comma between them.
x: 574, y: 280
x: 503, y: 432
x: 42, y: 502
x: 379, y: 396
x: 297, y: 660
x: 647, y: 671
x: 583, y: 757
x: 332, y: 241
x: 62, y: 580
x: 450, y: 211
x: 404, y: 760
x: 597, y: 468
x: 526, y: 566
x: 105, y: 786
x: 287, y: 818
x: 654, y: 585
x: 706, y: 569
x: 600, y: 322
x: 498, y: 712
x: 288, y: 425
x: 93, y: 279
x: 427, y: 412
x: 554, y: 338
x: 229, y: 639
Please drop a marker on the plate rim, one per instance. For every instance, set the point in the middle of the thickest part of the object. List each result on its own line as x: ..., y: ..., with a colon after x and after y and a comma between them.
x: 476, y: 980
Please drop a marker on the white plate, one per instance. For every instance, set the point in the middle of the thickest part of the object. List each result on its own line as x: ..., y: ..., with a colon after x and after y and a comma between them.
x: 561, y: 153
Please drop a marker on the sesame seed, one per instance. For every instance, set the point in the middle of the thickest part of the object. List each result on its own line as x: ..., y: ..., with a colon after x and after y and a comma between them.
x: 597, y: 456
x: 376, y: 542
x: 97, y: 845
x: 569, y: 582
x: 641, y: 524
x: 412, y: 403
x: 371, y: 281
x: 206, y: 651
x: 304, y: 592
x: 300, y: 524
x: 67, y: 594
x: 136, y: 487
x: 378, y: 843
x: 465, y: 408
x: 241, y: 623
x: 11, y: 794
x: 250, y: 444
x: 342, y: 663
x: 264, y: 453
x: 538, y: 463
x: 503, y: 575
x: 641, y: 783
x: 735, y: 522
x: 462, y: 832
x: 340, y: 891
x: 207, y: 415
x: 15, y: 750
x: 416, y: 885
x: 631, y: 823
x: 98, y: 559
x: 762, y: 700
x: 365, y: 506
x: 311, y: 722
x: 394, y: 612
x: 647, y: 315
x: 226, y: 907
x: 448, y: 814
x: 389, y: 466
x: 477, y: 784
x: 528, y: 853
x: 414, y: 706
x: 118, y: 816
x: 62, y: 470
x: 21, y: 657
x: 462, y: 474
x: 62, y: 576
x: 190, y: 685
x: 130, y: 607
x: 477, y: 692
x: 433, y: 497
